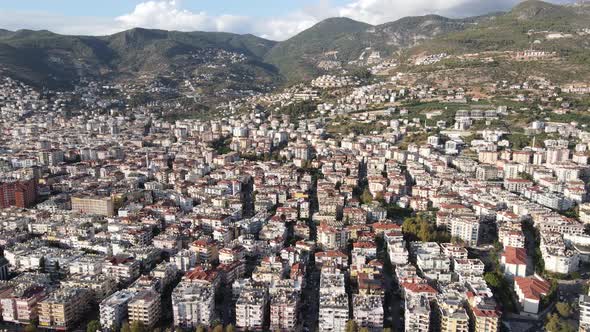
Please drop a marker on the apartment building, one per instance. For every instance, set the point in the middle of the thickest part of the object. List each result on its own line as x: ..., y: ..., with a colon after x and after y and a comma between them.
x: 114, y: 309
x: 417, y: 313
x: 251, y: 307
x: 368, y: 311
x: 64, y: 308
x: 145, y: 307
x: 101, y: 206
x: 284, y: 306
x: 193, y: 304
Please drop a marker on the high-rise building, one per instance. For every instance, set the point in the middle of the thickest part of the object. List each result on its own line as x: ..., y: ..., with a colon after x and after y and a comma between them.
x: 334, y: 311
x: 113, y: 309
x: 284, y: 303
x: 417, y: 313
x: 22, y: 194
x: 145, y: 307
x: 193, y: 304
x: 368, y: 311
x: 64, y: 308
x: 465, y: 228
x: 251, y: 307
x: 102, y: 206
x: 452, y: 313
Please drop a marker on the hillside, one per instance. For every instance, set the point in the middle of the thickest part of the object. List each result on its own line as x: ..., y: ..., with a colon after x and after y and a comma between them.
x: 340, y: 42
x: 559, y: 31
x: 45, y: 58
x: 225, y: 60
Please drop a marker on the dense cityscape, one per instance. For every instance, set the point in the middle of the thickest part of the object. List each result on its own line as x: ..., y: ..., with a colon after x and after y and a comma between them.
x: 374, y: 196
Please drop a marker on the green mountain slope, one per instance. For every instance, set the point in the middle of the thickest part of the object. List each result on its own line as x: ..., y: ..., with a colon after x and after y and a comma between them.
x: 344, y: 41
x: 533, y: 25
x: 45, y: 58
x: 334, y: 44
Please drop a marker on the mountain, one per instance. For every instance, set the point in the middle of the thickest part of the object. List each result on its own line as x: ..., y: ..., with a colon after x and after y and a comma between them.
x: 559, y: 30
x: 47, y: 58
x: 225, y: 60
x: 340, y: 41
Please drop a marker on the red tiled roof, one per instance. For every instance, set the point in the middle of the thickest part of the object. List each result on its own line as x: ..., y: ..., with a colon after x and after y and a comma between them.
x: 514, y: 255
x: 532, y: 288
x: 418, y: 288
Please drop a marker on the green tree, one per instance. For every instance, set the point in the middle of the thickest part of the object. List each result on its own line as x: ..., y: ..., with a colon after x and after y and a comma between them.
x: 93, y: 326
x: 492, y: 279
x: 351, y: 326
x: 218, y: 328
x: 366, y: 196
x: 31, y: 328
x: 555, y: 324
x: 564, y: 309
x: 137, y: 326
x: 200, y: 328
x: 230, y: 328
x: 125, y: 327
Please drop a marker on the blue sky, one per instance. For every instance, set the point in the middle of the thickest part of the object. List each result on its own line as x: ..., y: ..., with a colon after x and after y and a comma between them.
x: 113, y: 8
x: 272, y: 19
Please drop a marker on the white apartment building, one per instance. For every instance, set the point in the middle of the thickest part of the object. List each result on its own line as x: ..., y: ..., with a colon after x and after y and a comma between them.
x: 368, y: 311
x: 113, y: 309
x: 584, y: 312
x: 145, y: 307
x: 193, y: 305
x: 333, y: 313
x: 417, y: 313
x: 466, y: 229
x: 284, y: 304
x: 251, y: 308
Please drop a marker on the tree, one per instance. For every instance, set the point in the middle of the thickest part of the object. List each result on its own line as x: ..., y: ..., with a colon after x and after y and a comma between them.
x: 366, y: 196
x: 125, y: 327
x: 137, y: 326
x: 564, y: 309
x: 230, y: 328
x: 492, y: 279
x: 200, y: 328
x: 351, y: 326
x: 31, y: 328
x: 218, y: 328
x: 93, y: 326
x: 556, y: 324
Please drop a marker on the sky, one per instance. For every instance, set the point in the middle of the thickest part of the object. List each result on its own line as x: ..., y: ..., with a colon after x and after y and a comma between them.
x: 271, y: 19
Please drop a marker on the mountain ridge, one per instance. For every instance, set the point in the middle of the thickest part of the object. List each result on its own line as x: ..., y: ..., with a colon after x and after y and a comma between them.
x: 331, y: 45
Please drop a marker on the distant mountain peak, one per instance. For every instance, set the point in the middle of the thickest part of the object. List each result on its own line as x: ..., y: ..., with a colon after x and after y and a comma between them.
x: 535, y: 9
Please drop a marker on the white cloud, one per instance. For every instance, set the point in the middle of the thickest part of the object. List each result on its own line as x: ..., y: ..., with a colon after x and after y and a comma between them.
x: 170, y: 15
x: 382, y: 11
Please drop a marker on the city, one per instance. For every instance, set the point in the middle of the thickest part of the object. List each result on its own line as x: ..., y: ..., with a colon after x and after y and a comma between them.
x: 377, y: 195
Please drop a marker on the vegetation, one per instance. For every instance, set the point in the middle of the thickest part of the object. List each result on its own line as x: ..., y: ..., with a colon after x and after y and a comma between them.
x: 501, y: 289
x: 221, y: 145
x: 564, y: 309
x: 351, y: 326
x: 533, y: 234
x: 31, y: 328
x: 346, y: 127
x: 93, y: 326
x: 422, y: 228
x: 26, y: 54
x: 299, y: 110
x: 556, y: 324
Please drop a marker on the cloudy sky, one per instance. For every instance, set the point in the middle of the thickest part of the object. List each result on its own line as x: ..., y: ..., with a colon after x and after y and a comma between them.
x: 272, y: 19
